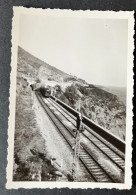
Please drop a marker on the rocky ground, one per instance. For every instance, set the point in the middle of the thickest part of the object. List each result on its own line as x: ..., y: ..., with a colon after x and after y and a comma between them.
x: 29, y: 148
x: 35, y: 144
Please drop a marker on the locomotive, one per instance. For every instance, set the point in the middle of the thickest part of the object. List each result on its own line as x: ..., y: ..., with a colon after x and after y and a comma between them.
x: 45, y: 90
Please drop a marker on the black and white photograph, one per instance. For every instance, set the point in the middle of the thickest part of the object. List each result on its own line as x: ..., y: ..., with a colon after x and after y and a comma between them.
x: 71, y: 93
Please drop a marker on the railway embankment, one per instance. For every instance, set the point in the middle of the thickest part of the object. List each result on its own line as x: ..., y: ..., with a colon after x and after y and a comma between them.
x: 56, y: 146
x: 108, y: 162
x: 32, y: 157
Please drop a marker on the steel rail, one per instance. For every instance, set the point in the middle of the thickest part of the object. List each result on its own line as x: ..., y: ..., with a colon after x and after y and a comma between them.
x: 119, y: 166
x: 95, y: 134
x: 117, y: 142
x: 64, y: 136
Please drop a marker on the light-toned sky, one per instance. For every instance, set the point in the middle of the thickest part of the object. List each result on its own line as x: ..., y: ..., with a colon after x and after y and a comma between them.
x: 92, y: 49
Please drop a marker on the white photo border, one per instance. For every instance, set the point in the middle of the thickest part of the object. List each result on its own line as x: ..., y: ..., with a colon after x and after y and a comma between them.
x: 129, y: 120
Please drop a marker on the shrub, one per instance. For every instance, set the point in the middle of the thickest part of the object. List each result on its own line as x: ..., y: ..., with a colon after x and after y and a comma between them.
x: 71, y: 94
x: 58, y: 88
x: 83, y: 90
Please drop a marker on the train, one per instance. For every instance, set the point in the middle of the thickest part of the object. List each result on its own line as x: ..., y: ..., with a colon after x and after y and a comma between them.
x: 45, y: 90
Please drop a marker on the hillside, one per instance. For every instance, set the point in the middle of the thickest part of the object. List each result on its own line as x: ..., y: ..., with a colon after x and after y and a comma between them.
x: 119, y: 91
x: 102, y: 107
x: 37, y: 69
x: 32, y: 155
x: 99, y: 104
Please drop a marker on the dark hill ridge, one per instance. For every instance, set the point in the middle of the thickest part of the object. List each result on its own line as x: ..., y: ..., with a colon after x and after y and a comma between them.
x: 31, y: 60
x: 100, y: 105
x: 36, y: 63
x: 32, y: 64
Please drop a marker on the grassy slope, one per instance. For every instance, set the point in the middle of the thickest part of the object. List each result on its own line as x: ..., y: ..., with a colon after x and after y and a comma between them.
x: 30, y: 162
x: 32, y: 64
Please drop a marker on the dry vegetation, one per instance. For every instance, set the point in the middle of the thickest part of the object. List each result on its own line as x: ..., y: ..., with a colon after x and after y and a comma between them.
x: 30, y: 161
x: 102, y: 107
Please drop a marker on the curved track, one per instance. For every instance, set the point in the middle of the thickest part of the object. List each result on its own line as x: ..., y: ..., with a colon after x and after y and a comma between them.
x: 91, y: 152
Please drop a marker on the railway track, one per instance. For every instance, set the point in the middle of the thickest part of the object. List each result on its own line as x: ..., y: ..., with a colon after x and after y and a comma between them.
x: 106, y: 148
x: 91, y: 152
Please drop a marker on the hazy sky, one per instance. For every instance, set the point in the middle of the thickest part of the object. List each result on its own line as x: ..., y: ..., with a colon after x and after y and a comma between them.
x: 92, y: 49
